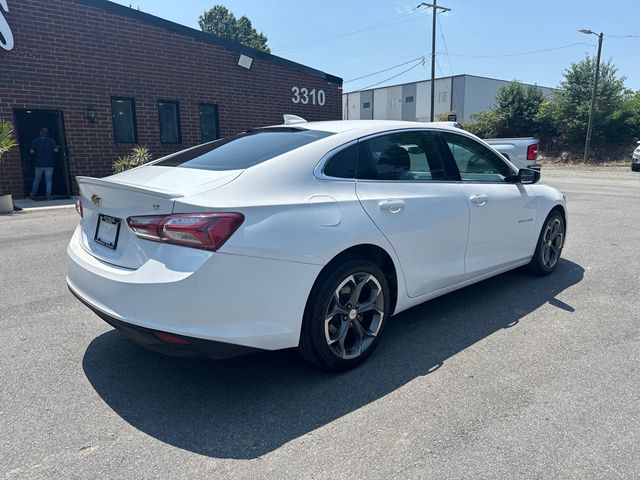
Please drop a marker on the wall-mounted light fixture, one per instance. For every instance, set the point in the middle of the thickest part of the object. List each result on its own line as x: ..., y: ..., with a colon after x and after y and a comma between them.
x: 91, y: 113
x: 245, y: 62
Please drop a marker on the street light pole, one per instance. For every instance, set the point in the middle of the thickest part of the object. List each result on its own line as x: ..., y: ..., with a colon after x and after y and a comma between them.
x: 587, y: 142
x: 435, y: 7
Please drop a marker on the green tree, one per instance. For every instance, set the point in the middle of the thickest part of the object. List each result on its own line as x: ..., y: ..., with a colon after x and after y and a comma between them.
x: 625, y: 121
x: 513, y: 115
x: 567, y: 115
x: 548, y: 128
x: 221, y: 22
x: 7, y: 141
x: 484, y: 124
x: 516, y: 108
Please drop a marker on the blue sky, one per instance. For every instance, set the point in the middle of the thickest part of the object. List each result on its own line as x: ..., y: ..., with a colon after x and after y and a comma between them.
x: 352, y: 38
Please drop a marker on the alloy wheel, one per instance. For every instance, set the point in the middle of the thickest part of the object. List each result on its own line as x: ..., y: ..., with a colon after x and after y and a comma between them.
x: 552, y: 243
x: 354, y: 315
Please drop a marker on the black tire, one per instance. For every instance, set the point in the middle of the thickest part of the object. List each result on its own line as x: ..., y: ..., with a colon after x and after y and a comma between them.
x: 635, y: 167
x: 540, y: 263
x: 316, y: 331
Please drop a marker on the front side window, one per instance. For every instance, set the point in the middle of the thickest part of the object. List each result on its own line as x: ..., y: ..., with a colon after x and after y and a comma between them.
x: 411, y: 155
x: 243, y: 150
x: 169, y: 117
x: 123, y: 113
x: 476, y: 162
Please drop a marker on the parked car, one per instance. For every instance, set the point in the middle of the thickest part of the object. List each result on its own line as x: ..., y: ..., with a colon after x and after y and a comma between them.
x: 307, y: 235
x: 635, y: 159
x: 522, y: 152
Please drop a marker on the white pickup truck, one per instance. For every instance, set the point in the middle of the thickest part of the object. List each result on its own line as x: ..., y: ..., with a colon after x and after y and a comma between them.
x: 522, y: 152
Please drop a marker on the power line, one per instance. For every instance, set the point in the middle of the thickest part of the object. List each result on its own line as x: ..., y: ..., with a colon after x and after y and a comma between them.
x: 446, y: 84
x: 421, y: 62
x: 444, y: 42
x: 531, y: 52
x: 320, y: 42
x: 385, y: 70
x: 434, y: 7
x: 622, y: 36
x: 423, y: 59
x: 308, y: 44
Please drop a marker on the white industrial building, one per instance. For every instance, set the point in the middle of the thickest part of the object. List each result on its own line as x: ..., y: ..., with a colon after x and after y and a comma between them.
x: 463, y: 95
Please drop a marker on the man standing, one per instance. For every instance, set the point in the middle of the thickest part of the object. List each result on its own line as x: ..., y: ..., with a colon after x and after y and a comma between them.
x: 44, y: 148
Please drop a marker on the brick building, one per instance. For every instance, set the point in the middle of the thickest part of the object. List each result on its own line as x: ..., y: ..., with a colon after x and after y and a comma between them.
x: 103, y: 77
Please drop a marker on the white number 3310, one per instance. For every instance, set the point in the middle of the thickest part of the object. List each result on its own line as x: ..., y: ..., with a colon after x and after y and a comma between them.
x: 304, y: 96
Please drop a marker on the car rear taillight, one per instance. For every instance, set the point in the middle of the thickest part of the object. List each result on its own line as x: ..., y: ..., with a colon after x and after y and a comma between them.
x: 207, y: 231
x: 532, y: 152
x: 79, y: 206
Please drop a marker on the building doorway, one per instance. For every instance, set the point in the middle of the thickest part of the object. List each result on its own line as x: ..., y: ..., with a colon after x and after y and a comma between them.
x: 28, y: 125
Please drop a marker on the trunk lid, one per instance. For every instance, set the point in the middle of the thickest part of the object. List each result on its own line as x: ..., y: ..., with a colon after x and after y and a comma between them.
x: 148, y: 190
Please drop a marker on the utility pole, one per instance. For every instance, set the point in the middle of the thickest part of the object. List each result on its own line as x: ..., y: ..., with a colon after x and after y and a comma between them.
x: 587, y: 142
x: 435, y: 8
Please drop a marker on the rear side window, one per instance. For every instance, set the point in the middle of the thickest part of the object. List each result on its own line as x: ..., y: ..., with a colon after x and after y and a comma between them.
x: 244, y: 150
x: 405, y: 156
x: 343, y: 163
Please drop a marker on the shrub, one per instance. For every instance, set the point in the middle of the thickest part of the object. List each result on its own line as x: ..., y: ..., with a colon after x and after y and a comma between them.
x: 7, y: 142
x: 138, y: 156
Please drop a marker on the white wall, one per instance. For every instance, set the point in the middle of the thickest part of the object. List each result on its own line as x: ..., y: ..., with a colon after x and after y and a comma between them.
x: 478, y: 95
x: 345, y: 108
x: 442, y: 98
x: 394, y: 103
x: 353, y: 112
x: 423, y: 101
x: 380, y: 104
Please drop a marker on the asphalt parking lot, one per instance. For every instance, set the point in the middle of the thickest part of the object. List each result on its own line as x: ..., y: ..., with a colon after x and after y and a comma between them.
x: 515, y: 377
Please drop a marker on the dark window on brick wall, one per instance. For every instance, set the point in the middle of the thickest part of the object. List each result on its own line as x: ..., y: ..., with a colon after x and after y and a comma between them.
x: 123, y: 112
x: 366, y: 105
x: 408, y: 99
x: 209, y: 128
x: 169, y: 116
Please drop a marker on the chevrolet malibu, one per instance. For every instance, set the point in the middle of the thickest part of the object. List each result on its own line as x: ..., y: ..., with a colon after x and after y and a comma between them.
x: 307, y: 234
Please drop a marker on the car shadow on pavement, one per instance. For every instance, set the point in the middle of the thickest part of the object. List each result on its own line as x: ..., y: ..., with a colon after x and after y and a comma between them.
x: 246, y: 407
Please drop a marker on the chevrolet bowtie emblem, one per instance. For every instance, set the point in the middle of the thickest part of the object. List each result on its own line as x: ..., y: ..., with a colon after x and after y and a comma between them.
x: 96, y: 200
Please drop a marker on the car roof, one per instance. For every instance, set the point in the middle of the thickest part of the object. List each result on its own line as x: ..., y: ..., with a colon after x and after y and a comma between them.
x: 369, y: 126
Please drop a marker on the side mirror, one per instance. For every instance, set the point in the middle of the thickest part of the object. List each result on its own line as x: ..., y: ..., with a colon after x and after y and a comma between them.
x: 528, y: 176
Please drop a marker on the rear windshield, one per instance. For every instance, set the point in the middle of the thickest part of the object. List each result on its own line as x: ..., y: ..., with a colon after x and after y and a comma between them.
x: 243, y: 150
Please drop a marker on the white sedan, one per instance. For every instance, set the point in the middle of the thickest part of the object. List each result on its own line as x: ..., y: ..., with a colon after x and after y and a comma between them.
x: 308, y: 235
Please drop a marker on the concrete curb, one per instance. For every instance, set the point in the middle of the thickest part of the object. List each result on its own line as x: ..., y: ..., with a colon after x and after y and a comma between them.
x: 50, y: 207
x: 28, y: 205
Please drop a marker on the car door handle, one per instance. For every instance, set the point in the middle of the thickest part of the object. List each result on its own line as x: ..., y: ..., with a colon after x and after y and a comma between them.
x: 393, y: 206
x: 479, y: 200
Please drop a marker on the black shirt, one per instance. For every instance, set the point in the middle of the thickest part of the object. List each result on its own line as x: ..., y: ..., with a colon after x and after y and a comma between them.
x: 44, y: 148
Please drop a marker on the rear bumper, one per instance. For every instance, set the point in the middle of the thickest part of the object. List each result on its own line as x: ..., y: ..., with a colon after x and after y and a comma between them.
x: 229, y: 299
x: 188, y: 347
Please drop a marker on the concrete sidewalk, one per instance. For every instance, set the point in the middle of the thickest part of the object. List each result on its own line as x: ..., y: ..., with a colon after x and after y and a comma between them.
x: 28, y: 204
